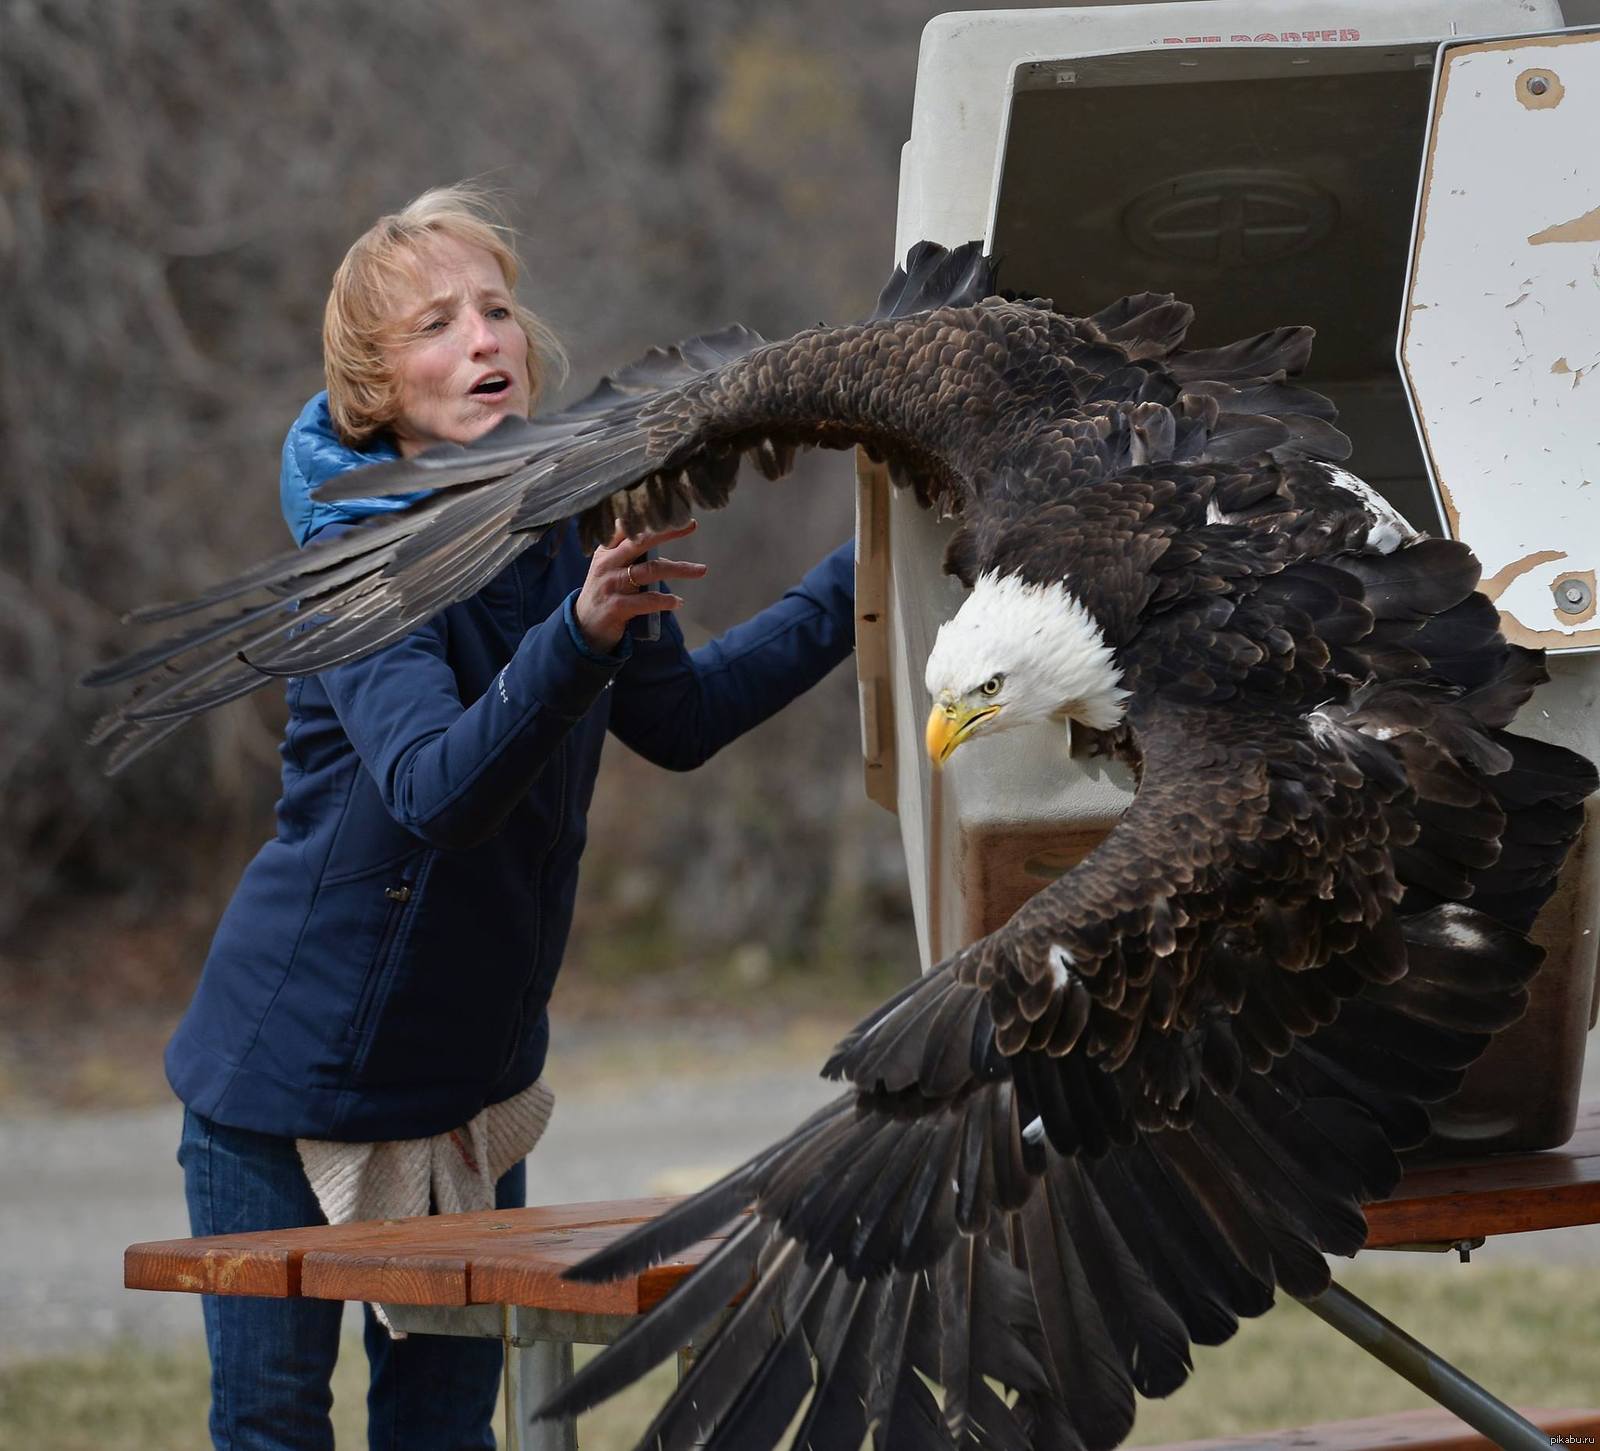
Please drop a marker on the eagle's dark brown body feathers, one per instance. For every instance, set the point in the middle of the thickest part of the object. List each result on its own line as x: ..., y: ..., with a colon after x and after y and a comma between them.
x: 1169, y: 1083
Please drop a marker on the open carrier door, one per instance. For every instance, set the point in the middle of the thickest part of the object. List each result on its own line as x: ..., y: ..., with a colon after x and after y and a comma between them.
x: 1267, y: 177
x: 1500, y: 339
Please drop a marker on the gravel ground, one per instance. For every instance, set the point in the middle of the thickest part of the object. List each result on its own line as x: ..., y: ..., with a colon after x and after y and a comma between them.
x: 77, y: 1188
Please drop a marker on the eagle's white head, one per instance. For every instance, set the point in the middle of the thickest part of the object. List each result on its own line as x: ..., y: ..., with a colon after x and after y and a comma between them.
x: 1016, y: 653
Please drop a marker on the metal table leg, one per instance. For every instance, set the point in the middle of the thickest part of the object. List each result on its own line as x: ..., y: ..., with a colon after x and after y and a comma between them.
x: 535, y: 1371
x: 538, y: 1357
x: 539, y: 1363
x: 1428, y: 1372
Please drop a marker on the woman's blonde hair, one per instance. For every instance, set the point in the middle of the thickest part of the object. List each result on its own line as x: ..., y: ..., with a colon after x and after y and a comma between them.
x: 359, y: 327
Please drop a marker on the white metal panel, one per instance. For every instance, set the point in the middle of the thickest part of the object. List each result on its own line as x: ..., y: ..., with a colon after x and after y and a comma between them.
x: 1501, y: 344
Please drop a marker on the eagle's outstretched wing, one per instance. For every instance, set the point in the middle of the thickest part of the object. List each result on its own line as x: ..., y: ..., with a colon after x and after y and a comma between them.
x: 1168, y: 1085
x: 948, y: 383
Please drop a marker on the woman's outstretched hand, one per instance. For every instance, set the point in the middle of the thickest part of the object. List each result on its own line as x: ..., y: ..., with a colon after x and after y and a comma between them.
x: 617, y: 587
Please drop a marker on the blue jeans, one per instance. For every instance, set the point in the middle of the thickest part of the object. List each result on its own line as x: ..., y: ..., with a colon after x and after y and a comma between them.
x: 271, y: 1360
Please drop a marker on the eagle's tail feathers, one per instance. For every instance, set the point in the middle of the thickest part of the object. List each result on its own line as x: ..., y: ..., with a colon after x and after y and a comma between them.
x: 1495, y: 813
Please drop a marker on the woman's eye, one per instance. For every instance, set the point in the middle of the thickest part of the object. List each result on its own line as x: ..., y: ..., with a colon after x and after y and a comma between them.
x: 991, y: 686
x: 499, y: 312
x: 432, y: 325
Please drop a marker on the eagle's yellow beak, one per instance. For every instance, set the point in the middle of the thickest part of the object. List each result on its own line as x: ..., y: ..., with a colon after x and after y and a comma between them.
x: 949, y: 723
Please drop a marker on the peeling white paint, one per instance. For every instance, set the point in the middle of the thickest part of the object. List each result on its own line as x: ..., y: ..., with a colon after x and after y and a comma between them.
x: 1498, y: 335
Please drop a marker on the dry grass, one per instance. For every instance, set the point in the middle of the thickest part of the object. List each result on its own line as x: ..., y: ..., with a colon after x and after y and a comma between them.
x: 1532, y: 1334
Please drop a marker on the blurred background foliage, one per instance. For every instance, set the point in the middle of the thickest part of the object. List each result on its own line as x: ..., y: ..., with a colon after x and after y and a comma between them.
x: 178, y: 180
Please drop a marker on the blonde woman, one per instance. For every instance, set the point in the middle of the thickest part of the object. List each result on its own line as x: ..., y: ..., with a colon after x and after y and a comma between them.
x: 368, y: 1034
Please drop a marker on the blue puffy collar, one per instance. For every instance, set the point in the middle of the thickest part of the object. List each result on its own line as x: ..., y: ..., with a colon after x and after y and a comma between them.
x: 312, y: 454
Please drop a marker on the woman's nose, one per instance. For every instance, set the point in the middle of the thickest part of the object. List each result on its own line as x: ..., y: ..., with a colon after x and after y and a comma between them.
x: 483, y: 338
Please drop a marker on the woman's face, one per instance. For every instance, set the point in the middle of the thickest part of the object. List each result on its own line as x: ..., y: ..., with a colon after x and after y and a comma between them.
x: 464, y: 364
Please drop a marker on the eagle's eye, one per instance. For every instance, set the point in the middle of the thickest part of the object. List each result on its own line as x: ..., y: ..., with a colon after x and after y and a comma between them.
x: 992, y: 685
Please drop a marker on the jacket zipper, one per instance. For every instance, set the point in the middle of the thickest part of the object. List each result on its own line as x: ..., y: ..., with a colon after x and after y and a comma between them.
x: 398, y: 895
x: 514, y: 1046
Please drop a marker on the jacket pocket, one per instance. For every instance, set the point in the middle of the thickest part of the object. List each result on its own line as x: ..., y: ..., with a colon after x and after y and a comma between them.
x: 398, y: 895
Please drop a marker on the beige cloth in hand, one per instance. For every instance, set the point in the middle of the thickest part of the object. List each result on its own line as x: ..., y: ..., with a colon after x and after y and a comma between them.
x: 451, y: 1173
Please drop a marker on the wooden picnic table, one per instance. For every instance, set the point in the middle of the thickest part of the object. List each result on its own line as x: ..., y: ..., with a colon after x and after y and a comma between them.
x: 499, y: 1272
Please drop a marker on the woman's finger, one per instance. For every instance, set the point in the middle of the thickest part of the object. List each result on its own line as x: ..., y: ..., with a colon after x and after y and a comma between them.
x: 654, y: 538
x: 647, y: 602
x: 643, y: 573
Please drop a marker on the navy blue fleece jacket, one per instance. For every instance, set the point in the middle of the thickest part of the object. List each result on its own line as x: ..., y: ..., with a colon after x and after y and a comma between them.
x: 384, y: 967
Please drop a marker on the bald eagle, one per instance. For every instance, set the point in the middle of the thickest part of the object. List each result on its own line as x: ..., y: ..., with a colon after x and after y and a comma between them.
x: 1166, y: 1087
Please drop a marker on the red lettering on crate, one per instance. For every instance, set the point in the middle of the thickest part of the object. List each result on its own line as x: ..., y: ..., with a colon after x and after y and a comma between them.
x: 1267, y: 37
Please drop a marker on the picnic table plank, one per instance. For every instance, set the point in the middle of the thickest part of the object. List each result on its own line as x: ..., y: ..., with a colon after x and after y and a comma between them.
x: 220, y: 1264
x: 1404, y: 1431
x: 510, y: 1275
x: 518, y: 1256
x: 422, y: 1261
x: 1459, y: 1198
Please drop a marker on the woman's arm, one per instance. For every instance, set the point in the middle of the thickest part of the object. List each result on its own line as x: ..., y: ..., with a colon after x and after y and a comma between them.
x: 678, y: 707
x: 452, y: 773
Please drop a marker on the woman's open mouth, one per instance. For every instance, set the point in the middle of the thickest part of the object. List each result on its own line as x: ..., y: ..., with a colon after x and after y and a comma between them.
x: 491, y: 387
